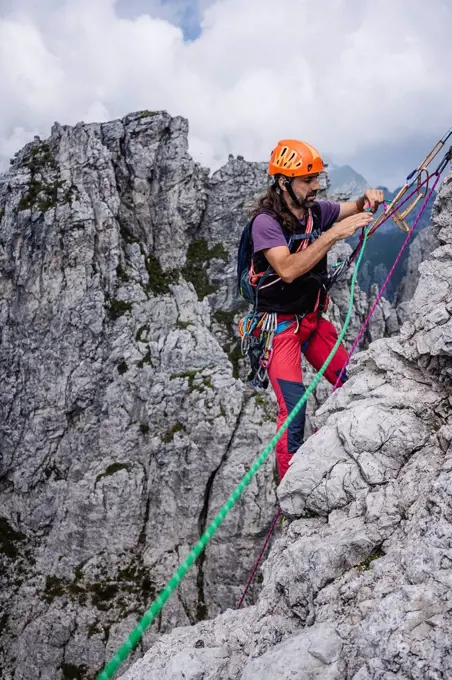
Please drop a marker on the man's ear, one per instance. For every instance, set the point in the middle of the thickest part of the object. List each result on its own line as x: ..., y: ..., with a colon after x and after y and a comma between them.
x: 283, y: 182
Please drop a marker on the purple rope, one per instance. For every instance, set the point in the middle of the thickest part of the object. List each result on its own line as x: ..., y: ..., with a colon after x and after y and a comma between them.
x: 258, y: 561
x: 383, y: 288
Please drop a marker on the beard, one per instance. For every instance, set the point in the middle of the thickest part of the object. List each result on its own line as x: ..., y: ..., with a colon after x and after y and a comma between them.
x: 308, y: 201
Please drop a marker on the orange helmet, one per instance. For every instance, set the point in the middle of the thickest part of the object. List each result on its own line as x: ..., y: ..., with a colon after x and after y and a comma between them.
x: 294, y: 158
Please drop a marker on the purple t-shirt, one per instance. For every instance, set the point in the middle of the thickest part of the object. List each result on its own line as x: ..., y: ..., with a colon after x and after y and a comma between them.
x: 267, y: 232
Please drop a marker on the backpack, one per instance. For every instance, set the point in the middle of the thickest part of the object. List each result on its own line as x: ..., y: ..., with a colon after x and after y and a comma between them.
x: 244, y: 259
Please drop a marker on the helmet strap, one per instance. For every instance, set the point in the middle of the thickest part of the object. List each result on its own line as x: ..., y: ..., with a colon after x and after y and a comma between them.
x: 291, y: 192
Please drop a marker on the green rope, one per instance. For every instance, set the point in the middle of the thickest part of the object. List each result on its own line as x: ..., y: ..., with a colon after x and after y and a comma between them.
x: 137, y: 633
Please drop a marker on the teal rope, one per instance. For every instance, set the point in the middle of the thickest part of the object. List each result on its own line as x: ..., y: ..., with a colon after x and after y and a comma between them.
x: 141, y: 627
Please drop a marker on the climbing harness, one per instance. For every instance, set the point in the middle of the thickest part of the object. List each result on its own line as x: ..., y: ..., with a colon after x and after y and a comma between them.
x: 257, y: 332
x: 153, y: 611
x: 258, y: 329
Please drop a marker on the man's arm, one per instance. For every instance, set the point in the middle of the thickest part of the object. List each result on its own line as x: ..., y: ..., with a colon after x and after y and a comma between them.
x: 289, y: 266
x: 372, y: 197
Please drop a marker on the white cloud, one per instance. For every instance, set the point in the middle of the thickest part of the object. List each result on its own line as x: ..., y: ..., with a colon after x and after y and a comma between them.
x: 346, y: 76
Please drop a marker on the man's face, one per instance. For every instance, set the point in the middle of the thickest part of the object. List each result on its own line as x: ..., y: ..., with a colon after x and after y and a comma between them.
x: 306, y: 189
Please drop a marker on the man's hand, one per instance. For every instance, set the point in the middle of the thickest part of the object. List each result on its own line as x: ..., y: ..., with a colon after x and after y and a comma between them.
x: 350, y: 225
x: 374, y: 198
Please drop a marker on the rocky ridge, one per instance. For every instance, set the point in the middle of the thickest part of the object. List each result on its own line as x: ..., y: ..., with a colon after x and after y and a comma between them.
x: 117, y: 317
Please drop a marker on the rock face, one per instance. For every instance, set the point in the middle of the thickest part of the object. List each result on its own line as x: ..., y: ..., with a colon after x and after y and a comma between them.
x: 123, y: 426
x: 424, y: 243
x: 358, y: 587
x: 124, y: 423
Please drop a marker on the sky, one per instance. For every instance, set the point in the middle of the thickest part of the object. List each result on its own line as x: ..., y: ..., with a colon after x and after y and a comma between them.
x: 367, y: 82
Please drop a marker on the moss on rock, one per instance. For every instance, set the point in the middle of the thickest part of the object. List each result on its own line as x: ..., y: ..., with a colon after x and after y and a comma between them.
x: 117, y: 308
x: 199, y: 256
x: 45, y: 182
x: 9, y: 539
x: 169, y: 434
x: 112, y: 469
x: 159, y: 280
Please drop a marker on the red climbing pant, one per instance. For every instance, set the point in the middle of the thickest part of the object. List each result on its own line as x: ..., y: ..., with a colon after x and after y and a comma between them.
x: 314, y: 338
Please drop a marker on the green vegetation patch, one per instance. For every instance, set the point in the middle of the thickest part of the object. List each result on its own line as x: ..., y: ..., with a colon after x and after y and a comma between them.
x: 141, y: 333
x: 191, y: 376
x: 54, y: 587
x: 71, y: 672
x: 112, y: 469
x: 9, y: 539
x: 3, y: 623
x: 117, y: 308
x: 199, y: 256
x: 147, y: 114
x: 122, y: 368
x: 159, y: 280
x: 122, y: 274
x: 147, y: 359
x: 233, y: 345
x: 45, y: 183
x: 374, y: 555
x: 127, y: 235
x: 169, y: 434
x: 102, y: 593
x: 265, y: 406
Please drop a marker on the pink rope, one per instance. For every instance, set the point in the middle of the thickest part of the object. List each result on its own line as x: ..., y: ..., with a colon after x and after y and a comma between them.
x: 258, y: 561
x: 383, y: 288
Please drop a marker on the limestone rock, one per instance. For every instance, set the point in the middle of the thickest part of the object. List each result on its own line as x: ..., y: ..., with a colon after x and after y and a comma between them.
x: 124, y: 422
x: 358, y: 586
x: 123, y: 426
x: 421, y: 247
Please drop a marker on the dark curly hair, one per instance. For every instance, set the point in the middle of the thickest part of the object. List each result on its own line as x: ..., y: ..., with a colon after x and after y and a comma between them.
x: 272, y: 201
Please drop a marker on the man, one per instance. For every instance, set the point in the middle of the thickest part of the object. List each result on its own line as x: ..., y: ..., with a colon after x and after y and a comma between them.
x: 292, y: 234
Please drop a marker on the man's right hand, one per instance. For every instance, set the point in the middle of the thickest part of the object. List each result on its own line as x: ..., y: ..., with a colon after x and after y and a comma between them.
x: 350, y: 225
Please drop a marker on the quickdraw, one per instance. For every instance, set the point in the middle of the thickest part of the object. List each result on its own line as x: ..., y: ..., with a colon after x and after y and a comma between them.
x: 257, y: 332
x: 254, y: 344
x: 418, y: 182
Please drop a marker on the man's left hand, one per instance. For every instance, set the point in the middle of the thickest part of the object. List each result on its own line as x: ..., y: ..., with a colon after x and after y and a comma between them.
x: 373, y: 198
